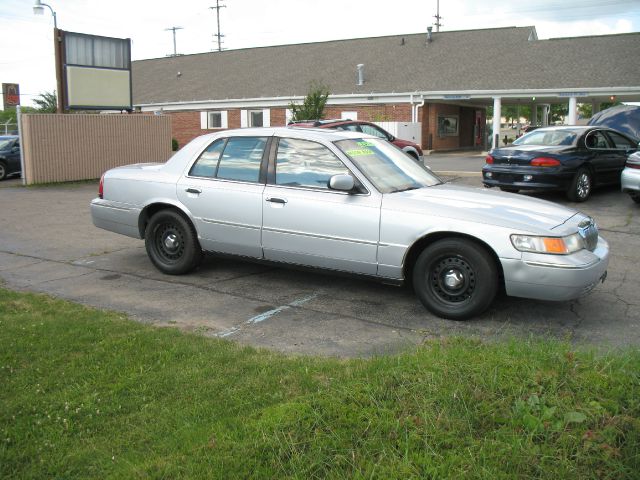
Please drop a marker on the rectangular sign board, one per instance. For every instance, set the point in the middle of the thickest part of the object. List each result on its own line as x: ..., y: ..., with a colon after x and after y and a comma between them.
x: 96, y: 72
x: 10, y: 95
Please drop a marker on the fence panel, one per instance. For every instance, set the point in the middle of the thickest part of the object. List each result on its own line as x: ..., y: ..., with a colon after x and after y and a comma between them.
x: 62, y: 148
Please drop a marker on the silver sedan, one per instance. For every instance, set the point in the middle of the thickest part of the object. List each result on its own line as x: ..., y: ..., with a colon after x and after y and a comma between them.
x: 630, y: 179
x: 354, y: 203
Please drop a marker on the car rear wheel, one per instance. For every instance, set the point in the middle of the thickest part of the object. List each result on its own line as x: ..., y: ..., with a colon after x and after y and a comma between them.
x: 172, y: 243
x: 455, y: 278
x: 635, y: 197
x: 581, y: 185
x: 3, y: 171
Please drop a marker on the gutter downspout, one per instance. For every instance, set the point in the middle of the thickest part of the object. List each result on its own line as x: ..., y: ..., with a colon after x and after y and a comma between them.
x: 414, y: 108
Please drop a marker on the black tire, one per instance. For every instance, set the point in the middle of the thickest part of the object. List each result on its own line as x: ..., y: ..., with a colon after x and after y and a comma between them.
x: 172, y: 243
x: 3, y: 170
x: 414, y: 156
x: 510, y: 190
x: 450, y: 261
x: 581, y: 186
x: 635, y: 197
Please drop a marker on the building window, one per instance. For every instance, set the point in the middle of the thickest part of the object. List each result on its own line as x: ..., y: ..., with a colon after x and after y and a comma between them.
x: 256, y: 118
x: 215, y: 119
x: 447, y: 125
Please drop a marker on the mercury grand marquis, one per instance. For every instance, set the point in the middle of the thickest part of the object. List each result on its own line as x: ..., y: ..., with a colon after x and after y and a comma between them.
x: 354, y: 203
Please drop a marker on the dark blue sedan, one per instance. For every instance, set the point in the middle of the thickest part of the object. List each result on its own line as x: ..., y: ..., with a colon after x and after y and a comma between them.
x: 572, y: 159
x: 9, y: 156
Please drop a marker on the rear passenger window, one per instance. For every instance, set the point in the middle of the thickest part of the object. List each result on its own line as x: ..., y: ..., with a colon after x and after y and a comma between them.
x: 236, y: 158
x: 241, y: 159
x: 207, y: 164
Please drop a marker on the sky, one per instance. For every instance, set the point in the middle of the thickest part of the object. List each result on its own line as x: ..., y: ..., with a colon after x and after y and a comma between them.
x: 26, y: 52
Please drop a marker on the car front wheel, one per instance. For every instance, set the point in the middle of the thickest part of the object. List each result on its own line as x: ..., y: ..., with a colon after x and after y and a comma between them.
x: 581, y: 186
x: 455, y: 278
x: 3, y: 171
x: 635, y: 197
x: 172, y: 243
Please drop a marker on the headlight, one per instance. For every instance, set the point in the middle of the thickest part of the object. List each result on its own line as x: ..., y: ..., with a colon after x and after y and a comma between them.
x: 553, y: 245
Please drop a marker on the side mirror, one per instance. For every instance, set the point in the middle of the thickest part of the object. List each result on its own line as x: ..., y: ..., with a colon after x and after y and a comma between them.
x: 391, y: 138
x: 343, y: 183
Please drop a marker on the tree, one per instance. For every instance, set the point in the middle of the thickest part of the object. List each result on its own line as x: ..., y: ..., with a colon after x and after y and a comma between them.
x: 312, y: 107
x: 47, y: 102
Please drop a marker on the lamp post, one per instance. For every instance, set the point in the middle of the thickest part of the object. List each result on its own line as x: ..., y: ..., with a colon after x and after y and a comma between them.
x: 38, y: 9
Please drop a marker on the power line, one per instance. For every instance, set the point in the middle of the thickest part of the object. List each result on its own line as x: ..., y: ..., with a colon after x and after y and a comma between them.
x: 173, y: 29
x: 437, y: 17
x: 218, y: 35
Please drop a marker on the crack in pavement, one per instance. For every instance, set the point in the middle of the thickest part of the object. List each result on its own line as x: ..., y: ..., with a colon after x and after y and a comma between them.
x: 207, y: 288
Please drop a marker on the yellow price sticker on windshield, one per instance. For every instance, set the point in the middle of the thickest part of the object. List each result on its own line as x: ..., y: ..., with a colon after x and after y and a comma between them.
x: 365, y: 144
x: 359, y: 153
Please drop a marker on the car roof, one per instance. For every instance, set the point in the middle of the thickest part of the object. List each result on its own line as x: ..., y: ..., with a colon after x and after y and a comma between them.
x: 8, y: 137
x: 319, y: 134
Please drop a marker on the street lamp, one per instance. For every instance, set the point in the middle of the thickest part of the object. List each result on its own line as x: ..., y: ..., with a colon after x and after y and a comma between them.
x: 38, y: 9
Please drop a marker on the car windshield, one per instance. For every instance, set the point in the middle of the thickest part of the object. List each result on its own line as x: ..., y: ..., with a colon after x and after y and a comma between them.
x: 5, y: 143
x: 548, y: 138
x: 388, y: 168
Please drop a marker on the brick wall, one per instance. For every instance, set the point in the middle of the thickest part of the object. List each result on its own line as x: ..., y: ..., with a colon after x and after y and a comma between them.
x: 186, y: 125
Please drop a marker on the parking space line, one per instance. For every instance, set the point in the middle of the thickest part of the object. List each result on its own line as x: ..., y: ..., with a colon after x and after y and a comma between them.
x: 266, y: 315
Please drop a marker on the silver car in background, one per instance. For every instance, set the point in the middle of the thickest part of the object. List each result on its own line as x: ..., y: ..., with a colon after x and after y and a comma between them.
x: 353, y: 203
x: 630, y: 178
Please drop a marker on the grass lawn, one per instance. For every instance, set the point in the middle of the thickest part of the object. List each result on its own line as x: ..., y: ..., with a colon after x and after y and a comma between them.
x: 89, y: 394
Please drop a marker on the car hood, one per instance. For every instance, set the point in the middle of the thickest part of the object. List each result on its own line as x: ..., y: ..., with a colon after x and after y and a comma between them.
x: 484, y: 206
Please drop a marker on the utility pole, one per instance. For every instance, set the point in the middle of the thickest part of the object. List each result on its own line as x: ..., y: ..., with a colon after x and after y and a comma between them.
x: 219, y: 35
x: 173, y: 29
x: 438, y: 17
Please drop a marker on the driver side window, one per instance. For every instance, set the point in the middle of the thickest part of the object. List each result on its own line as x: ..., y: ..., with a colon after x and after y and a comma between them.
x: 303, y: 163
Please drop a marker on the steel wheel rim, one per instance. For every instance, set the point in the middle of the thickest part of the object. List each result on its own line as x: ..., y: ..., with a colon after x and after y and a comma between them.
x: 2, y: 171
x: 452, y: 280
x: 583, y: 185
x: 169, y: 242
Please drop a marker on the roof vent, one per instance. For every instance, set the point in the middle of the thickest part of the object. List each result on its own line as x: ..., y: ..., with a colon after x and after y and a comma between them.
x: 429, y: 35
x: 360, y: 68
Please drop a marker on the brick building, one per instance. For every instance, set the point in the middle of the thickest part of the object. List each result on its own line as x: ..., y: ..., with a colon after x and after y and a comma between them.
x: 445, y: 81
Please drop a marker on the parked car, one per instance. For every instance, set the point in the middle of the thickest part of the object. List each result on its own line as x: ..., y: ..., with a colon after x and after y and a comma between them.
x: 353, y: 203
x: 407, y: 146
x: 630, y: 178
x: 571, y: 159
x: 9, y: 156
x: 529, y: 128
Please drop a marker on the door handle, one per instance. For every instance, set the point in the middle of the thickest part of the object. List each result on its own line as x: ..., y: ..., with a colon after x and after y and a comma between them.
x: 197, y: 191
x: 276, y: 200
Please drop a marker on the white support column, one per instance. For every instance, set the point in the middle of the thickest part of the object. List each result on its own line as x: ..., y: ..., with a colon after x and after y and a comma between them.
x: 595, y: 107
x: 497, y: 116
x: 545, y: 115
x: 534, y: 114
x: 573, y: 110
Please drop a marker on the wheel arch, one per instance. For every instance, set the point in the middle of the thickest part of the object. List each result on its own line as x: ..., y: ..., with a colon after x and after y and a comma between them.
x: 411, y: 151
x: 423, y: 242
x: 153, y: 208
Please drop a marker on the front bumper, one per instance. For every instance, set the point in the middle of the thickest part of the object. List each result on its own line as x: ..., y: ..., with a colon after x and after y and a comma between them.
x: 630, y: 180
x: 556, y: 277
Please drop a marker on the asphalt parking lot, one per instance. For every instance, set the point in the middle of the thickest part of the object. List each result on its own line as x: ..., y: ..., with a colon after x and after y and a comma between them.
x: 48, y: 244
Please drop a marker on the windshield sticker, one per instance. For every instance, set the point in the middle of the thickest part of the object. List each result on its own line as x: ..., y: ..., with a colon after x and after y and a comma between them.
x: 359, y: 153
x: 365, y: 144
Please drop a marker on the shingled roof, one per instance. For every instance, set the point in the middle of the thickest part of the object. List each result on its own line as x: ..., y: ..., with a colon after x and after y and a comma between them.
x: 460, y: 61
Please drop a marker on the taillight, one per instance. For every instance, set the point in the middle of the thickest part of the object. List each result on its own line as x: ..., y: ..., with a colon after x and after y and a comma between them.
x: 489, y: 160
x: 101, y: 187
x: 633, y: 165
x: 545, y: 162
